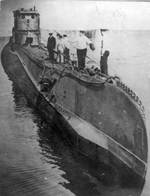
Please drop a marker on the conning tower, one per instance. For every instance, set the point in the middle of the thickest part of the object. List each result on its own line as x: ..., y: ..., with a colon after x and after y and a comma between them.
x: 26, y: 27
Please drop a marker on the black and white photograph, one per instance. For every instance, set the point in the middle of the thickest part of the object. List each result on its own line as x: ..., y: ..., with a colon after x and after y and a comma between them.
x: 74, y: 98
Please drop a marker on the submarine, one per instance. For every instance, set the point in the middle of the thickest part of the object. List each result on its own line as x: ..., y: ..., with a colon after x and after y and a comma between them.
x: 98, y: 115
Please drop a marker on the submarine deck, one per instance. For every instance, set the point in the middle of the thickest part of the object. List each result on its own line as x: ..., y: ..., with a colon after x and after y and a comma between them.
x: 40, y: 56
x: 88, y: 131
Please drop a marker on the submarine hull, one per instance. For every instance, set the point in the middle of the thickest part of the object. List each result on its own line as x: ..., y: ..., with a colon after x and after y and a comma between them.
x: 98, y: 146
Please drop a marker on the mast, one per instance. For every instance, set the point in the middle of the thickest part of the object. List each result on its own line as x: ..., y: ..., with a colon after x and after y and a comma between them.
x: 34, y: 4
x: 102, y: 41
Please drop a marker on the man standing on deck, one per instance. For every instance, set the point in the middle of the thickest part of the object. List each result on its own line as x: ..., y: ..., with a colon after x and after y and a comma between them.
x: 82, y: 43
x: 103, y: 62
x: 66, y: 48
x: 51, y: 44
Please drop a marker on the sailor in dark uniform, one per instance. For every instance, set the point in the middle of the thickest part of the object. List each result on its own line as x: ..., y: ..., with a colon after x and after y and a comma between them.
x: 51, y: 44
x: 103, y: 62
x: 66, y: 48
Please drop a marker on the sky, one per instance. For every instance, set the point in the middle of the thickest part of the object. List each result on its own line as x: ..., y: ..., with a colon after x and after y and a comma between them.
x: 80, y: 14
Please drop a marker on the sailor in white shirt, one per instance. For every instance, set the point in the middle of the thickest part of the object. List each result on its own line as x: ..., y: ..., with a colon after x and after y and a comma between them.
x: 60, y: 48
x: 82, y: 43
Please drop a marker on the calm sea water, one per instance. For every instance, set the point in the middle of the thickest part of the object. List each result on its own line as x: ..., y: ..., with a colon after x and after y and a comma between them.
x: 34, y: 160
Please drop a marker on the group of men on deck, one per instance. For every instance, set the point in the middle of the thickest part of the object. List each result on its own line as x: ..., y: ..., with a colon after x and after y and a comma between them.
x: 62, y: 51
